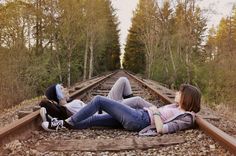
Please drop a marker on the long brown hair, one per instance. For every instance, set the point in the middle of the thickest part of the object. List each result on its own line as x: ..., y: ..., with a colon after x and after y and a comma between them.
x: 190, y: 98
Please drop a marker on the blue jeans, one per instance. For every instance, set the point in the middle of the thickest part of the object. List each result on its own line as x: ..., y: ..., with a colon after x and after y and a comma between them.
x: 117, y: 115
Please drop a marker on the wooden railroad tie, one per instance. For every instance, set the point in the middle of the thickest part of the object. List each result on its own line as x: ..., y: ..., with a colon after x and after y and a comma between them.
x: 109, y: 144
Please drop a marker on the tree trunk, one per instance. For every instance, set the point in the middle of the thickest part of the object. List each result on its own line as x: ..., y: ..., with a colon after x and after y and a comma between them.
x: 91, y: 59
x: 59, y: 66
x: 69, y: 68
x: 38, y: 28
x: 188, y: 68
x: 86, y: 59
x: 148, y: 63
x: 29, y: 33
x: 68, y: 73
x: 173, y: 63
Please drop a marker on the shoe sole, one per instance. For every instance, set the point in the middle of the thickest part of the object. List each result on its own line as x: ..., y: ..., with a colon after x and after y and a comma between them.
x: 46, y: 128
x: 43, y: 114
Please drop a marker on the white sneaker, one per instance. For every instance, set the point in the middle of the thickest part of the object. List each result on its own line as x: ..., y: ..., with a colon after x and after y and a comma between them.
x: 44, y: 115
x: 53, y: 125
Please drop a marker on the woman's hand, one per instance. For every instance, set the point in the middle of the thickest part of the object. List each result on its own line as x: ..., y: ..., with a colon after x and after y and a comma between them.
x: 158, y: 122
x: 157, y: 119
x: 153, y: 109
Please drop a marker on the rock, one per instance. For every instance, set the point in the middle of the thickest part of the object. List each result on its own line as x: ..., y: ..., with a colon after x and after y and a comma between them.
x: 212, y: 146
x: 199, y: 136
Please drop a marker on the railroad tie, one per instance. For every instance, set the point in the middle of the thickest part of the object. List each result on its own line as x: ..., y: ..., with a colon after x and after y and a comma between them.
x: 91, y: 145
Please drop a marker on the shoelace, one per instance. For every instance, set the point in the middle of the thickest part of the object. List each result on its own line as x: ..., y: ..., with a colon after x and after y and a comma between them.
x: 54, y: 120
x: 58, y: 124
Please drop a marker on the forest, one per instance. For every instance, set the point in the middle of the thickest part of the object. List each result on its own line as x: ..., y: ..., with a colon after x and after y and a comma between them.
x: 54, y: 41
x: 59, y: 41
x: 172, y: 45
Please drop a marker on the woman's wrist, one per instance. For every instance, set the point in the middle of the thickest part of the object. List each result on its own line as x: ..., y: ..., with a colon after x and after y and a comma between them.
x: 153, y: 109
x: 156, y: 114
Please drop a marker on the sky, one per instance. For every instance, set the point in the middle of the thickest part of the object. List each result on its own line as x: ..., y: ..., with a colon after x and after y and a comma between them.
x: 125, y: 8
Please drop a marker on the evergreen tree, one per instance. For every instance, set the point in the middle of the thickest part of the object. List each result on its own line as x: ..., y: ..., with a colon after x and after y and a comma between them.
x: 134, y: 58
x: 221, y: 49
x: 171, y: 41
x: 143, y: 34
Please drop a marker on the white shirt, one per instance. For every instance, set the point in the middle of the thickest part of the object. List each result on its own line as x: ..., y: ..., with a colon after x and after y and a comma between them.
x: 74, y: 106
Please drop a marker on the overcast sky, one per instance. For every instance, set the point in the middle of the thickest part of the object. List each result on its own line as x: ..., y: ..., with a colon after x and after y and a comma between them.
x: 125, y: 8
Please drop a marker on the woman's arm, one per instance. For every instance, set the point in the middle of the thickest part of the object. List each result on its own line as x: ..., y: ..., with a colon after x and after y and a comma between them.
x: 182, y: 122
x: 157, y: 119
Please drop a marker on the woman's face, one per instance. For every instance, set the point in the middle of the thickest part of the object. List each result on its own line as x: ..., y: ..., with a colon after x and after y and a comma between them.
x: 177, y: 97
x: 65, y: 92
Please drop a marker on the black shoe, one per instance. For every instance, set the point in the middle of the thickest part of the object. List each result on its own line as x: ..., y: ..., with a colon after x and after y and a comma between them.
x: 128, y: 96
x: 53, y: 125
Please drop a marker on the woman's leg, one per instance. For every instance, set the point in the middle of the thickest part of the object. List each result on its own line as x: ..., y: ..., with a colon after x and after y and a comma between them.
x: 136, y: 102
x: 120, y: 89
x: 100, y: 120
x: 130, y: 118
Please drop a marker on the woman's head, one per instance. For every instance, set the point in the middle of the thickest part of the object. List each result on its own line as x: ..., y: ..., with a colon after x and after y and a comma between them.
x: 190, y: 99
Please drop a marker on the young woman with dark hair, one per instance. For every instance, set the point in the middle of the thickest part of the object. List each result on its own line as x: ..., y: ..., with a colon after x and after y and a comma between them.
x: 56, y: 105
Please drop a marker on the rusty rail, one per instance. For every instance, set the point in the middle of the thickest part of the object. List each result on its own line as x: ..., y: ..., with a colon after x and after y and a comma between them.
x: 223, y: 138
x: 21, y: 128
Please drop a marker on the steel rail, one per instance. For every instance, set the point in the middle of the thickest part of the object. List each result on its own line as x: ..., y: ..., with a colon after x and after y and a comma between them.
x: 223, y: 138
x: 20, y: 129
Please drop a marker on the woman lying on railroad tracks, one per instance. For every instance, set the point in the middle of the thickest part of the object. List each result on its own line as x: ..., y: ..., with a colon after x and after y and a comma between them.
x: 166, y: 119
x: 56, y: 105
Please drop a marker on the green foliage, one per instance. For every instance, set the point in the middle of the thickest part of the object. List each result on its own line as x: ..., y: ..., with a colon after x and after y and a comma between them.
x: 134, y: 58
x: 170, y: 40
x: 221, y: 51
x: 43, y: 42
x: 138, y: 53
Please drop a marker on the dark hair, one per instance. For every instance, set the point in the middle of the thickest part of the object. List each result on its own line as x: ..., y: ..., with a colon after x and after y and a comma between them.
x: 190, y: 98
x: 51, y: 93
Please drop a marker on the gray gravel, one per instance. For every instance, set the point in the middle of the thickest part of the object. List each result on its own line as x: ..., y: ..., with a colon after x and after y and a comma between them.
x: 197, y: 143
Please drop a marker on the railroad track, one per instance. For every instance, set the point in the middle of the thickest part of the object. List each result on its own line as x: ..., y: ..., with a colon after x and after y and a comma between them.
x: 25, y: 137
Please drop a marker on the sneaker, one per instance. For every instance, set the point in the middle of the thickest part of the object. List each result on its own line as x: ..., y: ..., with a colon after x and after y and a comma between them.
x: 44, y: 115
x: 53, y: 125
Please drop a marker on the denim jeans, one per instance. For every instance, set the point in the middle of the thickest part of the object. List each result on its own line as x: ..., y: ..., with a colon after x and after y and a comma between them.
x: 120, y: 89
x: 117, y: 115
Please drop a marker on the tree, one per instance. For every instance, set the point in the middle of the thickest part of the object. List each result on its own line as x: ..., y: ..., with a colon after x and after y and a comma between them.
x: 43, y: 42
x: 142, y: 35
x: 221, y: 49
x: 102, y: 34
x: 70, y: 30
x: 171, y: 40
